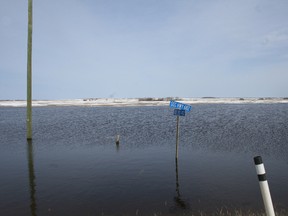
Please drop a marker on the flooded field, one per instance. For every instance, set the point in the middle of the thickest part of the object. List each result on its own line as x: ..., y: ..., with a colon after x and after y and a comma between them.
x: 74, y: 167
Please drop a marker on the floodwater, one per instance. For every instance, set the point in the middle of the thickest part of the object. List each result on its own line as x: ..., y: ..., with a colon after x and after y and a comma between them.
x: 73, y: 166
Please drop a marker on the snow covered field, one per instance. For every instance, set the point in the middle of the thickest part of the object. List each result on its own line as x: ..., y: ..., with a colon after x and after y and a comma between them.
x: 138, y: 101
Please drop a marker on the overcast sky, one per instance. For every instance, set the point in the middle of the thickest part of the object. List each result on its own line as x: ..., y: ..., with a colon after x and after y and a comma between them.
x: 145, y: 48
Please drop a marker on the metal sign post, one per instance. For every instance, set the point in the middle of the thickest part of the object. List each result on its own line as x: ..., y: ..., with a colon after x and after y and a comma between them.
x: 177, y: 137
x: 179, y: 110
x: 178, y: 113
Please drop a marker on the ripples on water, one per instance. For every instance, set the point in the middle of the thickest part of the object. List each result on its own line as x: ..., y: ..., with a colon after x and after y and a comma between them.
x: 73, y: 166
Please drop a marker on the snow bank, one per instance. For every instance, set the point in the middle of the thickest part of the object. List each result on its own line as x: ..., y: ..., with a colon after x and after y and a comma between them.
x: 138, y: 101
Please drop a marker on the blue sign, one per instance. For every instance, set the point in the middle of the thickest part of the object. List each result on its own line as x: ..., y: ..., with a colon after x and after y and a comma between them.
x: 181, y: 106
x: 179, y: 112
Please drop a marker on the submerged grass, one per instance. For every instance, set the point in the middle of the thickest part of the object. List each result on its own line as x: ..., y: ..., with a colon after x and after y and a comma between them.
x: 226, y: 212
x: 239, y: 212
x: 220, y: 212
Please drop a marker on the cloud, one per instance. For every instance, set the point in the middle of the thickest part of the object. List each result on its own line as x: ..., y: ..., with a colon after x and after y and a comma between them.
x: 276, y: 38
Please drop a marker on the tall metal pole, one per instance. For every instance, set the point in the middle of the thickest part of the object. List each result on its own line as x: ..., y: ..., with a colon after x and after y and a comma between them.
x: 29, y: 73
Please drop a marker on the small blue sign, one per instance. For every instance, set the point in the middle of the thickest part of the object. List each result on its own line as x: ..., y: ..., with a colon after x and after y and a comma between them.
x: 179, y: 112
x: 181, y: 106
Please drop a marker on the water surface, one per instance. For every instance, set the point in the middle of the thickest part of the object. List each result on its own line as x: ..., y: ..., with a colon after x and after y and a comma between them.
x: 74, y: 167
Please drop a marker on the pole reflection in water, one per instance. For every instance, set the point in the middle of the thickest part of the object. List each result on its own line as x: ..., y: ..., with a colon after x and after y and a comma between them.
x: 117, y: 147
x: 180, y: 204
x: 31, y: 177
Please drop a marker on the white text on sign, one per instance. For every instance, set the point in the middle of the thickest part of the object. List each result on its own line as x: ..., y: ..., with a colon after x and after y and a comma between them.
x: 181, y: 106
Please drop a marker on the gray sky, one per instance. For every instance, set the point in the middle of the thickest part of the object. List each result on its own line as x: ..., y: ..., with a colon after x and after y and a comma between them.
x: 145, y: 48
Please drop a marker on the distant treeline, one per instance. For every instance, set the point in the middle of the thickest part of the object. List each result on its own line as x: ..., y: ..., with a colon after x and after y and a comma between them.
x: 178, y: 98
x: 158, y: 99
x: 139, y: 99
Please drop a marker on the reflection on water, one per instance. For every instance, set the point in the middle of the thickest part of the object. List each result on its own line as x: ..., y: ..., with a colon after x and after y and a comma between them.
x: 179, y: 202
x: 117, y: 147
x: 32, y: 178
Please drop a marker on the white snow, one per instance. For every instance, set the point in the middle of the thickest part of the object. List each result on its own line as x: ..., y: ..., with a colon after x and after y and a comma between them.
x: 138, y: 102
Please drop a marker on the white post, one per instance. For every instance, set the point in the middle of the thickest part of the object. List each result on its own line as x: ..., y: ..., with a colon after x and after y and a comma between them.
x: 260, y: 170
x: 117, y: 140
